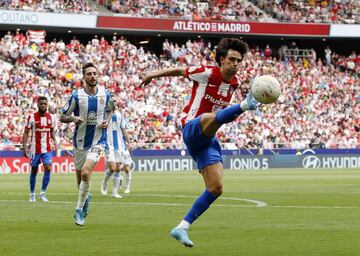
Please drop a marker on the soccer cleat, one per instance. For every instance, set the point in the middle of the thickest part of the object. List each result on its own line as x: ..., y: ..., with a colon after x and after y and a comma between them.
x: 43, y: 197
x: 181, y: 235
x: 32, y: 198
x: 86, y: 205
x: 103, y: 188
x: 127, y: 190
x: 116, y: 196
x: 79, y: 218
x: 251, y: 101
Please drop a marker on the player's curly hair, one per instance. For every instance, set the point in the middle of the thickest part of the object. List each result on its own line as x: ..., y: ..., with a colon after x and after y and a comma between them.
x: 227, y: 44
x: 88, y: 65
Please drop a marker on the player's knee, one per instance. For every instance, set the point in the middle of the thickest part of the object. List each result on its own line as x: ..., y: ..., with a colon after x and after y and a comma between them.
x: 216, y: 189
x: 85, y: 173
x: 112, y: 169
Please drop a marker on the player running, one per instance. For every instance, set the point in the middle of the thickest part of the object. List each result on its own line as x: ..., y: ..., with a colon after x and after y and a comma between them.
x: 42, y: 129
x: 205, y: 113
x: 117, y: 155
x: 89, y: 105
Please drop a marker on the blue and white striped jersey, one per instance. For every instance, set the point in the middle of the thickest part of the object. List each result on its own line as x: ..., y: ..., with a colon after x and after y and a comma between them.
x: 115, y: 137
x: 93, y: 110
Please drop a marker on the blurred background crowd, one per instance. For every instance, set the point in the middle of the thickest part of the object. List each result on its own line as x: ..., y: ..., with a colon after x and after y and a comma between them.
x: 318, y: 11
x: 319, y: 106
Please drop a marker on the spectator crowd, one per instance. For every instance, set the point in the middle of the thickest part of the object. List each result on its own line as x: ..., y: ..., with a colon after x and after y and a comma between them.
x: 77, y: 6
x: 307, y: 11
x: 319, y: 106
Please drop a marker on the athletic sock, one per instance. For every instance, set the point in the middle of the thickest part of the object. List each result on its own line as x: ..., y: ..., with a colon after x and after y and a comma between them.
x: 32, y: 183
x: 128, y: 179
x: 45, y: 181
x: 228, y: 114
x: 200, y: 206
x: 107, y: 175
x: 83, y: 193
x: 183, y: 225
x: 116, y: 183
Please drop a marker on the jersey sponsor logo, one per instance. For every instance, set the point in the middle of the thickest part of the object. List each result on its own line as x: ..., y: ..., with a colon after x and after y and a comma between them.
x: 43, y: 130
x: 216, y: 101
x: 91, y: 119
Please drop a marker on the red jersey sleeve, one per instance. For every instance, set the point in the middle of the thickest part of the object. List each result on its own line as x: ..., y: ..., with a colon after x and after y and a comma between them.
x: 196, y: 73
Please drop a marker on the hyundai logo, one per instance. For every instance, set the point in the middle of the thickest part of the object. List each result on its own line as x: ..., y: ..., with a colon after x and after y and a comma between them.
x: 311, y: 162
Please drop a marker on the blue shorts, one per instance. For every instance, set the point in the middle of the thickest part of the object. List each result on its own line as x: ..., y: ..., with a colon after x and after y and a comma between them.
x: 204, y: 150
x: 46, y: 158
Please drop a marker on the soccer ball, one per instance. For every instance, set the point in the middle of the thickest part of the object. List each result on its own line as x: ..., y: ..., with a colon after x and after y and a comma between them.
x: 266, y: 89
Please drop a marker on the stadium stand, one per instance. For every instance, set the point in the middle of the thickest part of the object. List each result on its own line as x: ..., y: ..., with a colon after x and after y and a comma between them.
x: 312, y: 11
x: 319, y: 106
x: 79, y: 6
x: 309, y: 11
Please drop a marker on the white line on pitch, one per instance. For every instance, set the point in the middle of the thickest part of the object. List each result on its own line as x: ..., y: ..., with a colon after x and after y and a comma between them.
x: 256, y: 202
x: 180, y: 204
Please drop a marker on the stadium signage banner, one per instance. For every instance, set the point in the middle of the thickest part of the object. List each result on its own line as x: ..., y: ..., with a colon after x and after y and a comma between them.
x: 205, y: 26
x: 345, y: 30
x: 47, y: 19
x: 185, y: 163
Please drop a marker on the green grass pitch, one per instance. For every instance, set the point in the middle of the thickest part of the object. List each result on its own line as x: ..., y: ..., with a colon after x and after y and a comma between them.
x: 307, y: 212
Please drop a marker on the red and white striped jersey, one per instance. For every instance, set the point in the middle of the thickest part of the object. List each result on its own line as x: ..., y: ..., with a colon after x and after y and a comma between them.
x: 40, y: 132
x: 210, y: 92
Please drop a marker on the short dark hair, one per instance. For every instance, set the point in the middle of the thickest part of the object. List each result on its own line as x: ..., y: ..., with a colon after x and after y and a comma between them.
x: 41, y: 98
x: 227, y: 44
x: 88, y: 65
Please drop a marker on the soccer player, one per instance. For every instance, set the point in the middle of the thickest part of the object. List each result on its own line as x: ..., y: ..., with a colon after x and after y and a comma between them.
x: 207, y: 110
x: 89, y: 105
x: 42, y: 129
x: 116, y: 153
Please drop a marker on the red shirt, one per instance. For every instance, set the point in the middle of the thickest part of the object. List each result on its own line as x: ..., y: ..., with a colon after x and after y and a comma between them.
x: 40, y: 132
x: 210, y: 92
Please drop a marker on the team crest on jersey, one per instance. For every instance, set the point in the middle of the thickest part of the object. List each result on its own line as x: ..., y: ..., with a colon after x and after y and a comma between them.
x: 102, y: 100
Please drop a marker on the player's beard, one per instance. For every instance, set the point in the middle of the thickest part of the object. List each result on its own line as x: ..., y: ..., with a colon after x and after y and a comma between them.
x: 42, y: 111
x: 92, y: 84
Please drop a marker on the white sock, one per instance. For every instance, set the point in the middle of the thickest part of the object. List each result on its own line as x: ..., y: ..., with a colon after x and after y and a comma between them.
x: 128, y: 179
x: 107, y: 175
x: 116, y: 183
x: 183, y: 225
x: 83, y: 193
x: 244, y: 106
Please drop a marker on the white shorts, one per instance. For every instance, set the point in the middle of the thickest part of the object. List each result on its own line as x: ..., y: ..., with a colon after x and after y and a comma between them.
x: 113, y: 156
x: 93, y: 153
x: 126, y: 158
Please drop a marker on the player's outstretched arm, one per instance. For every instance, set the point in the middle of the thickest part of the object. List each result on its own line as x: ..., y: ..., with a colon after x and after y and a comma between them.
x: 166, y: 72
